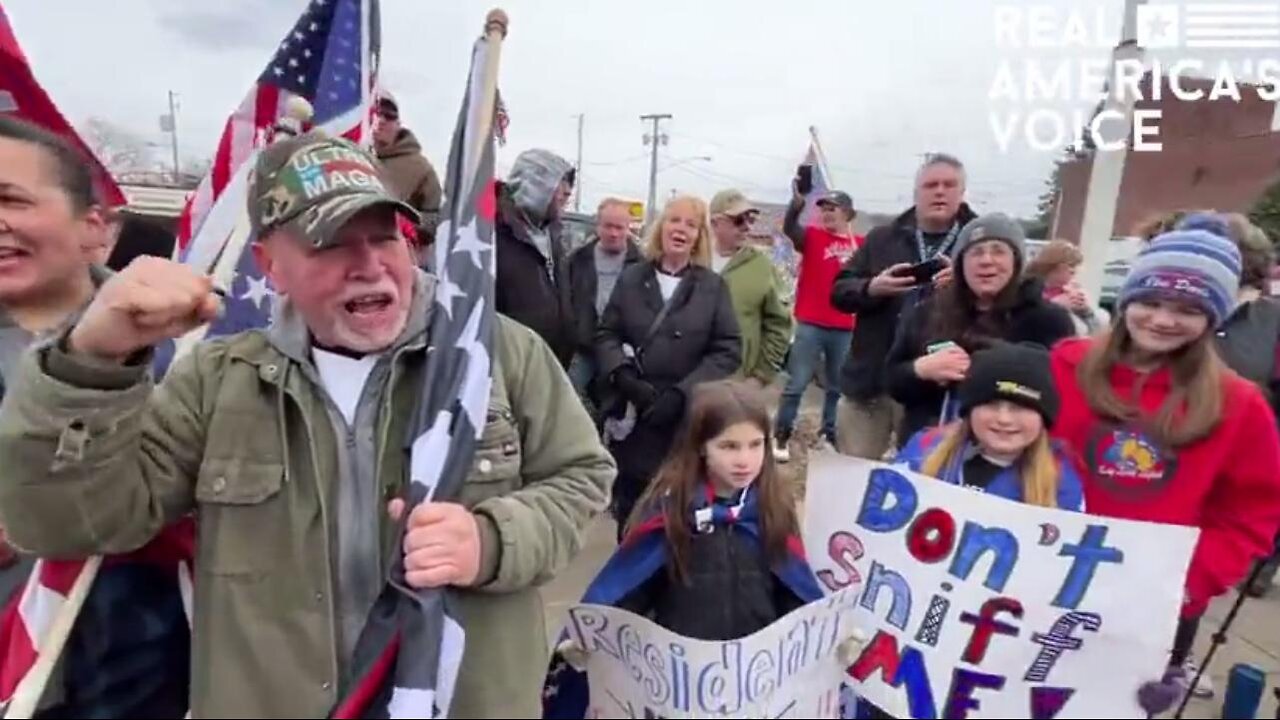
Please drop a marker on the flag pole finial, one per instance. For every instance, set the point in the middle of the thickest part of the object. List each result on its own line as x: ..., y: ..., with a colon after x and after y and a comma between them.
x: 496, y: 21
x: 297, y: 113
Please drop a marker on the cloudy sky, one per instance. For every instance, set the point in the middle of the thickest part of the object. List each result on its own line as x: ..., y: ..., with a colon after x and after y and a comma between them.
x: 744, y: 79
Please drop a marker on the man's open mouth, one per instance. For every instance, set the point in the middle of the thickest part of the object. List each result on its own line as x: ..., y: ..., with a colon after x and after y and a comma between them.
x: 369, y: 304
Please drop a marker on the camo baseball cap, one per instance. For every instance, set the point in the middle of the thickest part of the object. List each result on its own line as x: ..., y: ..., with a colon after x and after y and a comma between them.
x: 316, y: 183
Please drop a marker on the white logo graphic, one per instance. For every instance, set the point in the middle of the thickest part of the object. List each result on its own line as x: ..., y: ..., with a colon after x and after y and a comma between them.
x: 1032, y: 90
x: 1158, y: 26
x: 1210, y: 26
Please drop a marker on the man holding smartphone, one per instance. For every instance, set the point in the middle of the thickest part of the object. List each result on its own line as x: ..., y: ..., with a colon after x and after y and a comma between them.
x: 897, y: 263
x: 820, y: 328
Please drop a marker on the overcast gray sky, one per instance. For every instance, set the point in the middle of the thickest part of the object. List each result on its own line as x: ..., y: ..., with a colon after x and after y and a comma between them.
x: 744, y: 79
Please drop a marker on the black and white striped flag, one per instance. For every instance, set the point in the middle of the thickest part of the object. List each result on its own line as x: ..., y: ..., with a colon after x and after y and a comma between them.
x: 408, y: 655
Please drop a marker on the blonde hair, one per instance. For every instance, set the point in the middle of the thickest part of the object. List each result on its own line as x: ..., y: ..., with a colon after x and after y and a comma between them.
x: 701, y: 253
x: 1052, y: 255
x: 1037, y: 469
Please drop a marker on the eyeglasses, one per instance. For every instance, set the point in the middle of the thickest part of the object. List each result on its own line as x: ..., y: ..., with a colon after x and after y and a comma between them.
x: 743, y: 220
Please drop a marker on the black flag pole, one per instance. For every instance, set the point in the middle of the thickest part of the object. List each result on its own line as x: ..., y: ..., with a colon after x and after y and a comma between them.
x: 1219, y: 637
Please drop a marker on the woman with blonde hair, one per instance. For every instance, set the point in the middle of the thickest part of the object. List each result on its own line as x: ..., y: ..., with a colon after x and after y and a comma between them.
x: 669, y: 326
x: 1055, y: 266
x: 1000, y: 445
x: 1166, y: 432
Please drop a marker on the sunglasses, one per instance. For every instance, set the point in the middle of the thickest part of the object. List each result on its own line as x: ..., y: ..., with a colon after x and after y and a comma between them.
x: 743, y: 220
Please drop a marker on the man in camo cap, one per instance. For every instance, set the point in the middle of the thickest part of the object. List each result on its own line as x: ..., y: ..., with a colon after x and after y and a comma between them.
x: 289, y: 443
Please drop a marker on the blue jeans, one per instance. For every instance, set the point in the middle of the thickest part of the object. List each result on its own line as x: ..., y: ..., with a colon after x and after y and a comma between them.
x: 810, y: 341
x: 582, y: 371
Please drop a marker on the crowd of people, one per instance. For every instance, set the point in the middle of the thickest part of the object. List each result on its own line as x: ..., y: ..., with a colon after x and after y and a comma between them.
x: 628, y: 376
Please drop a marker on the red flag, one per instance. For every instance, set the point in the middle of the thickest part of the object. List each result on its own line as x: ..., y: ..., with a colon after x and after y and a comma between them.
x: 21, y: 95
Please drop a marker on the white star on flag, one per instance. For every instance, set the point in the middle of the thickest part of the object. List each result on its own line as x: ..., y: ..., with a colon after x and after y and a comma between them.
x: 449, y: 290
x: 257, y: 292
x: 469, y: 242
x: 475, y: 386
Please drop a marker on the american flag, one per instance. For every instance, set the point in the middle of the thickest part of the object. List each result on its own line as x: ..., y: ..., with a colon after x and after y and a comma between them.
x: 330, y: 59
x: 408, y: 655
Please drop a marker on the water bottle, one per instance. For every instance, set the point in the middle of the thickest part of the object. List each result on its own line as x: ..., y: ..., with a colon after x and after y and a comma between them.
x: 1245, y: 684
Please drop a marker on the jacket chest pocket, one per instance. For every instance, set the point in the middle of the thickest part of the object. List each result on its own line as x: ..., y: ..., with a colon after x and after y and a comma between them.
x: 241, y: 518
x: 495, y: 469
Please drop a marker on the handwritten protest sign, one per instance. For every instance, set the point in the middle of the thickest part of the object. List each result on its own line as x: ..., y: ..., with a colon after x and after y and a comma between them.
x: 790, y: 669
x: 980, y: 606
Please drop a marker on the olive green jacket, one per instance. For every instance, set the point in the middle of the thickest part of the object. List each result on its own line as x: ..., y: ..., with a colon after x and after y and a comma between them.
x: 96, y: 460
x: 764, y: 321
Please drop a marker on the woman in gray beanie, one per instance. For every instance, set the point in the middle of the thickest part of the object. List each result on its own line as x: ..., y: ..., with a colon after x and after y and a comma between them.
x: 987, y: 302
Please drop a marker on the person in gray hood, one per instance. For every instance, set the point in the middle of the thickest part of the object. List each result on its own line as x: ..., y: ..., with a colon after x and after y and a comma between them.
x: 533, y: 285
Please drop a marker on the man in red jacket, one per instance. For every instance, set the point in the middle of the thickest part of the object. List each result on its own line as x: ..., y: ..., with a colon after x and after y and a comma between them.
x: 820, y: 328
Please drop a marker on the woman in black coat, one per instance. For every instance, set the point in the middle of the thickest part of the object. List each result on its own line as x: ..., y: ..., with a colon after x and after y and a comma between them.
x: 669, y: 325
x: 987, y: 301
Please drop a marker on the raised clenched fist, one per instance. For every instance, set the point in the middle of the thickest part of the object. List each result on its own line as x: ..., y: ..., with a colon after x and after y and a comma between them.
x: 152, y: 299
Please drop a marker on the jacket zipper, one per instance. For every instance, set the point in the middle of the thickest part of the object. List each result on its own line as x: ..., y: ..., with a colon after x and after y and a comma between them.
x: 328, y: 545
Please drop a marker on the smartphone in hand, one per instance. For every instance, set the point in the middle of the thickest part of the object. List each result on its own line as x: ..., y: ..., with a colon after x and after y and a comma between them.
x: 923, y: 272
x: 804, y: 179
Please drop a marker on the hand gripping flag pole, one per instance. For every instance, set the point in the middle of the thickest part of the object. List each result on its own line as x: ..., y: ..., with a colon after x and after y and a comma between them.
x: 406, y: 661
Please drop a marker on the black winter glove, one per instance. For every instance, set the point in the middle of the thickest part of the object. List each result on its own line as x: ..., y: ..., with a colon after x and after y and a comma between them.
x: 668, y: 409
x: 639, y: 392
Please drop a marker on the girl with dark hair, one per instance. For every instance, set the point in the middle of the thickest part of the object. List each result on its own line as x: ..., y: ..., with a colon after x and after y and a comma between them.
x: 987, y: 301
x: 712, y: 551
x: 728, y: 524
x: 49, y: 221
x: 1166, y: 432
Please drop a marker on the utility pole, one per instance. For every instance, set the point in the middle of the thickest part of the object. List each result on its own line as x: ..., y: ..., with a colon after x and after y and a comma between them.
x: 173, y: 133
x: 1107, y: 170
x: 653, y: 139
x: 577, y: 175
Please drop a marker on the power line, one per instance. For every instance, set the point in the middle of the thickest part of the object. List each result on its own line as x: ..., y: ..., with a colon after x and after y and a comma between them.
x: 622, y: 161
x: 861, y: 171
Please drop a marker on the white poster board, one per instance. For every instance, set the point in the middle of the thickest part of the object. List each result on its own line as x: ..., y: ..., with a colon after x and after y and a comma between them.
x: 790, y: 669
x: 978, y: 606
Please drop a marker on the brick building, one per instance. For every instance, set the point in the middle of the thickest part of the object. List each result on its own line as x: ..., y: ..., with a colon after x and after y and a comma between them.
x: 1217, y: 154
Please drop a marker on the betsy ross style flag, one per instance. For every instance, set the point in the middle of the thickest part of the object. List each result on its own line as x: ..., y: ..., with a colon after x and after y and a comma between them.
x: 329, y: 59
x: 409, y: 652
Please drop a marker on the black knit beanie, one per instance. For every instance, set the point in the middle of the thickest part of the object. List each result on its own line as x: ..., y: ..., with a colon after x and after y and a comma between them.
x: 1018, y: 373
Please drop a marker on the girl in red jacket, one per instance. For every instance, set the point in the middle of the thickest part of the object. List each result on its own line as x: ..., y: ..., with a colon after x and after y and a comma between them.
x: 1165, y: 431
